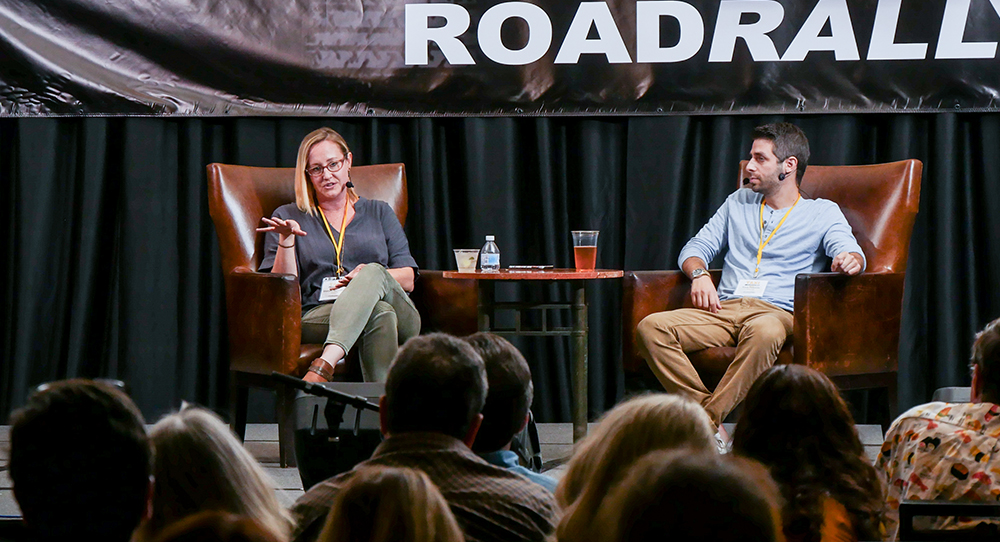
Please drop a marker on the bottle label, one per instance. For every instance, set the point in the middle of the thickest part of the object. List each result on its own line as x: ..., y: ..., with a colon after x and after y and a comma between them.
x: 490, y: 260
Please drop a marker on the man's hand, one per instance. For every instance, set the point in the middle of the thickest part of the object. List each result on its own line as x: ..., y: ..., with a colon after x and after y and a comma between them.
x: 847, y: 263
x: 704, y: 295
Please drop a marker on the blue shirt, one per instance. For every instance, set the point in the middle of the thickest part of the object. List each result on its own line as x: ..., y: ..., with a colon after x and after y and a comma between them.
x: 508, y: 460
x: 814, y: 231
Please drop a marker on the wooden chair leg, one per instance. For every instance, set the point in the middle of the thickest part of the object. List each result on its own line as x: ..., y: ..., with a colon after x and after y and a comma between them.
x: 239, y: 396
x: 286, y: 426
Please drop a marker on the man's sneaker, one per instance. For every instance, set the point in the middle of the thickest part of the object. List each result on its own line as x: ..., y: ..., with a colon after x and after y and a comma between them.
x: 720, y: 444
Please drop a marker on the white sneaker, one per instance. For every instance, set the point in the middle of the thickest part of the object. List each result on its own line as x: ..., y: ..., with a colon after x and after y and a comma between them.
x: 721, y: 444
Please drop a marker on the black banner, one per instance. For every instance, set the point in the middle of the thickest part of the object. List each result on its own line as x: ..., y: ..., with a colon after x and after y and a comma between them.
x: 470, y: 57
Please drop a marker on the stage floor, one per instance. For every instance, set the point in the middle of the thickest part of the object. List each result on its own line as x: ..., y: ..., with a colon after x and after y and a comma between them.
x: 262, y: 441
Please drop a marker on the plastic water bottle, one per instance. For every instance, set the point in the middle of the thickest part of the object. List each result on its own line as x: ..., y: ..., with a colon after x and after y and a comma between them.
x: 489, y: 256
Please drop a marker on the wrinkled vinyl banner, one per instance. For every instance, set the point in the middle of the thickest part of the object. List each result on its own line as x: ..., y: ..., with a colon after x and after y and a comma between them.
x: 470, y: 57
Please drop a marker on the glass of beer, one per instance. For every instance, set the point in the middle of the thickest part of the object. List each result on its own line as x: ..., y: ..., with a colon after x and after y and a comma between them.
x: 585, y: 248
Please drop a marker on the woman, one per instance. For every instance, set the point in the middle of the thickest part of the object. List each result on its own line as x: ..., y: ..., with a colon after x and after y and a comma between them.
x: 215, y: 526
x: 388, y: 504
x: 200, y: 465
x: 352, y: 260
x: 689, y: 495
x: 625, y: 433
x: 795, y: 423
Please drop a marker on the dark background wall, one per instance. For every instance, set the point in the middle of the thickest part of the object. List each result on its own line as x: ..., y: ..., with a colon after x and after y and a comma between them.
x: 111, y: 263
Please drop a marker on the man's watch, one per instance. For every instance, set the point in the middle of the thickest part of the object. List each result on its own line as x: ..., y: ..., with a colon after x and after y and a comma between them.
x: 700, y: 272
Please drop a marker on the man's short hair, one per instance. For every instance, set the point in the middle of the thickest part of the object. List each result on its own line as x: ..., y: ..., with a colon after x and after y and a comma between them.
x: 437, y: 383
x: 510, y: 391
x: 80, y: 462
x: 986, y: 356
x: 788, y: 141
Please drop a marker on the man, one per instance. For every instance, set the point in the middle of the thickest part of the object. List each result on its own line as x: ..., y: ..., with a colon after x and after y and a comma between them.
x: 430, y: 414
x: 946, y: 451
x: 80, y: 463
x: 770, y: 233
x: 507, y: 404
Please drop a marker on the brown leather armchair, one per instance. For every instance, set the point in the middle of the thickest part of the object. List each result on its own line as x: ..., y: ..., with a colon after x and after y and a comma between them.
x: 264, y: 310
x: 845, y: 327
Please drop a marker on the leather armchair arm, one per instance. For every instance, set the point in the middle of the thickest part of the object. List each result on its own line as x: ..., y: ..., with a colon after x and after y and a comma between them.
x: 446, y: 305
x: 647, y: 292
x: 848, y: 325
x: 264, y: 312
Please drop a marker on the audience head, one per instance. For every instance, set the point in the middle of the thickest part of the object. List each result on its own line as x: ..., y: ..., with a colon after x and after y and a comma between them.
x: 625, y: 433
x: 789, y: 141
x: 216, y: 526
x: 201, y: 465
x: 80, y: 462
x: 305, y: 194
x: 510, y: 391
x: 795, y: 422
x: 387, y: 504
x: 690, y: 495
x: 986, y: 364
x: 436, y: 384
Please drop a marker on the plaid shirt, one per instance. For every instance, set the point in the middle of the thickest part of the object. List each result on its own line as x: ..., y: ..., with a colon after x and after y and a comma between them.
x: 489, y: 503
x: 941, y: 451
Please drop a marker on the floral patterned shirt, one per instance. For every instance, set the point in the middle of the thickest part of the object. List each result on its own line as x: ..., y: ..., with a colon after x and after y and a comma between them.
x: 942, y: 451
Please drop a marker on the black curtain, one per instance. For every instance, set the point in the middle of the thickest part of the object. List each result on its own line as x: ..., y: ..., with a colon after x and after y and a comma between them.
x: 112, y: 266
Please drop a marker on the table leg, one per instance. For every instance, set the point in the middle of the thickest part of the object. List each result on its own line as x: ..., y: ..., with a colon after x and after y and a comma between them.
x: 487, y: 293
x: 579, y: 360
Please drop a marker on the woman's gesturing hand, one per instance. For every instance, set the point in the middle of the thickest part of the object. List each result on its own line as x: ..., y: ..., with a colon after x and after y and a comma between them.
x: 284, y: 228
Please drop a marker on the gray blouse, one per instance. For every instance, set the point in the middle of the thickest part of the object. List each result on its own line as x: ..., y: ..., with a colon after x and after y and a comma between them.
x: 373, y: 236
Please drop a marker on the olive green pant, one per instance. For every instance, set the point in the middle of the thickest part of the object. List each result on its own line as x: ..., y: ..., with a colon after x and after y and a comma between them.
x: 374, y: 312
x: 755, y: 327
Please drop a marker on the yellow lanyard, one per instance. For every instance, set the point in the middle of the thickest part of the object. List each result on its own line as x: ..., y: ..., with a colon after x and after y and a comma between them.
x: 763, y: 242
x: 339, y: 247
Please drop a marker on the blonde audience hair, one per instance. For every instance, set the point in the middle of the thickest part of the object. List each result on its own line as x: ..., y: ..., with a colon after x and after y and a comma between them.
x: 305, y: 194
x: 201, y: 465
x: 389, y: 504
x: 625, y: 433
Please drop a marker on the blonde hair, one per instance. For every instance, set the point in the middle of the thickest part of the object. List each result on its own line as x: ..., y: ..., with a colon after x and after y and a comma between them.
x: 389, y: 504
x: 305, y: 194
x: 625, y: 433
x: 200, y: 465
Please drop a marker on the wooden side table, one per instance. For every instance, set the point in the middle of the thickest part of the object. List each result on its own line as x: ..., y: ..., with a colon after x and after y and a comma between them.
x: 577, y: 278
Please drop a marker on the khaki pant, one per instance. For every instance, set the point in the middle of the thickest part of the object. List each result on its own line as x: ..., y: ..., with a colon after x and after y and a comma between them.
x: 757, y: 328
x: 372, y: 309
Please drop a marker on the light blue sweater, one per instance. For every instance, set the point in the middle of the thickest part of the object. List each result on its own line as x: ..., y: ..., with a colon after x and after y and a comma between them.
x: 814, y: 230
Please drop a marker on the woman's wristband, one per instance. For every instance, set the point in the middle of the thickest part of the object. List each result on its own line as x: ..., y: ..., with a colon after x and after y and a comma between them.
x: 289, y: 246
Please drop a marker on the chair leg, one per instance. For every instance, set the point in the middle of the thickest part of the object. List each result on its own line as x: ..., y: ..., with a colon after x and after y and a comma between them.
x: 286, y: 426
x: 239, y: 396
x: 892, y: 394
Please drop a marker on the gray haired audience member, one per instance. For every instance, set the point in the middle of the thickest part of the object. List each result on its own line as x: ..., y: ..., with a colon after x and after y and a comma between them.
x: 430, y: 414
x: 80, y: 463
x: 690, y: 495
x: 947, y: 451
x: 507, y: 403
x: 201, y: 465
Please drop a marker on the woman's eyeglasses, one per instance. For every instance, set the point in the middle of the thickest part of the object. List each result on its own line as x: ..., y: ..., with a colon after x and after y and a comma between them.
x: 332, y: 167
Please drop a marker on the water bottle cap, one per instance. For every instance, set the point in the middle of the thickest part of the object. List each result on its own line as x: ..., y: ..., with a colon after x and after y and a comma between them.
x: 489, y: 238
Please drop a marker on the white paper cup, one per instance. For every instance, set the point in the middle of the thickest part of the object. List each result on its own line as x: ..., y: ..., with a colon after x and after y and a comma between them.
x: 466, y: 259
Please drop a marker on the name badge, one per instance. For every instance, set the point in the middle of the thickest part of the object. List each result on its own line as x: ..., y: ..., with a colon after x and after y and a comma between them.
x: 331, y: 289
x: 750, y: 288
